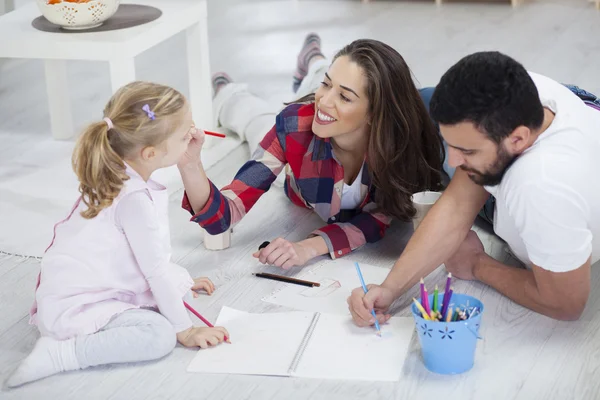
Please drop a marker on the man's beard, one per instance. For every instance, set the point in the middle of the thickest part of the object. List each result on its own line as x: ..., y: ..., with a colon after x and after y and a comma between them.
x: 494, y: 174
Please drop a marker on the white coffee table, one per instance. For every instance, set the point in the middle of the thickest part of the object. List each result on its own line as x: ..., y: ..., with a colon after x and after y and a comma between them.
x: 6, y: 6
x: 18, y: 39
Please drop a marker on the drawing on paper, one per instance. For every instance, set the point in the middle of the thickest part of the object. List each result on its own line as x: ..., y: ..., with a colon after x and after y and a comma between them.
x: 328, y: 286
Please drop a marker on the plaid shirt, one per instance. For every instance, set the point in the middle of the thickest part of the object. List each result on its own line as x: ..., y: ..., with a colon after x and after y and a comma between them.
x: 315, y: 180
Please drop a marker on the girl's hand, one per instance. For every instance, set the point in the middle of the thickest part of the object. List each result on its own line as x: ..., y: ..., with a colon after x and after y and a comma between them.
x: 202, y: 284
x: 192, y: 154
x: 285, y: 254
x: 202, y: 337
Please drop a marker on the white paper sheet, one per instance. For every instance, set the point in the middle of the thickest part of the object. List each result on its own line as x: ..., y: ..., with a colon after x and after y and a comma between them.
x: 261, y: 344
x: 339, y: 349
x: 337, y: 278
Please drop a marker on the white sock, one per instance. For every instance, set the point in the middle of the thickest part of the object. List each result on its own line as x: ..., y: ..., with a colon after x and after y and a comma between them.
x: 49, y: 357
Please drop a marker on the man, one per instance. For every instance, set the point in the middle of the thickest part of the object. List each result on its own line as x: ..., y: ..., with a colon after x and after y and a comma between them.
x: 534, y: 146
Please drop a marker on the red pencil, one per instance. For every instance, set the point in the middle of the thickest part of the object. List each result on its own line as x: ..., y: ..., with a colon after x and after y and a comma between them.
x: 197, y: 314
x: 214, y: 134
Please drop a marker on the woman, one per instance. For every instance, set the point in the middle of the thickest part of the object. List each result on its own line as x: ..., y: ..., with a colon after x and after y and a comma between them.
x: 354, y: 151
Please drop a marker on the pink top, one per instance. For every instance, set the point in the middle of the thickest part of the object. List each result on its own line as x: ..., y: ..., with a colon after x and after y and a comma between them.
x: 119, y: 260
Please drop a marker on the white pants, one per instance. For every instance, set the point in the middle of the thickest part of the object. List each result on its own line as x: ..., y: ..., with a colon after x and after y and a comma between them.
x: 240, y: 111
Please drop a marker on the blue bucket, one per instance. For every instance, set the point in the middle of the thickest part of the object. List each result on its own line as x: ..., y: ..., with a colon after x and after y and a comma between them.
x: 449, y: 347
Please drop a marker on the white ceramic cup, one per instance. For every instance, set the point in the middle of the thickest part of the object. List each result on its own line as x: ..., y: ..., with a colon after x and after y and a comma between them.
x: 423, y: 201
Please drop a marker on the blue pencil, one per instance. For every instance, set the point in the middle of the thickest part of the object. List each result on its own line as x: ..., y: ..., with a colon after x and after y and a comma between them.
x: 362, y: 282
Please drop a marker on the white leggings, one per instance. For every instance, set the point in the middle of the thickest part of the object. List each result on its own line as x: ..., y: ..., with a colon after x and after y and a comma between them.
x: 132, y: 336
x: 250, y: 116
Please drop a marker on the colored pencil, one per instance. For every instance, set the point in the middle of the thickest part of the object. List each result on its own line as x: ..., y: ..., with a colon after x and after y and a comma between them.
x: 449, y: 316
x: 287, y: 279
x: 425, y: 298
x: 422, y: 310
x: 362, y: 282
x: 447, y: 293
x: 435, y: 299
x: 427, y: 306
x: 455, y: 317
x: 197, y: 314
x: 423, y: 295
x: 447, y: 299
x: 214, y: 134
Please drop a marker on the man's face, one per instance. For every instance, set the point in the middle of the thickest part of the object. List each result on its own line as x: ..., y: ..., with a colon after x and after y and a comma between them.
x: 472, y: 151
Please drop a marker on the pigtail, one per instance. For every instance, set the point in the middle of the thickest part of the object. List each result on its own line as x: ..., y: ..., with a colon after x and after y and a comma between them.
x: 100, y: 170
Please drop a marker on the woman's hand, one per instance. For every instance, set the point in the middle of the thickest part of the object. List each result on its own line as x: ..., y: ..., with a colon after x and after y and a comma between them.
x: 285, y: 254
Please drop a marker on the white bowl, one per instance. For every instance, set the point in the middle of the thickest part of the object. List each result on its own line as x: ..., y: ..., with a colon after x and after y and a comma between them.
x: 78, y: 15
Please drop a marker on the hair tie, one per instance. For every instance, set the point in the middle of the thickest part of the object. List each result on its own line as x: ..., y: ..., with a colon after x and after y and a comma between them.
x: 109, y: 123
x: 146, y: 108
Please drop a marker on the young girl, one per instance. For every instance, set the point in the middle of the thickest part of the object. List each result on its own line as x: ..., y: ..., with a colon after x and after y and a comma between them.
x: 107, y: 292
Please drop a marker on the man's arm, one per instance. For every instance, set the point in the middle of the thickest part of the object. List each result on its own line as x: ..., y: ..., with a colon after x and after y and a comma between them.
x: 439, y: 234
x: 559, y: 295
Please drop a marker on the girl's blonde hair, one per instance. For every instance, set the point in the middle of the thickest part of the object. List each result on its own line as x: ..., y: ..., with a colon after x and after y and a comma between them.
x: 142, y: 114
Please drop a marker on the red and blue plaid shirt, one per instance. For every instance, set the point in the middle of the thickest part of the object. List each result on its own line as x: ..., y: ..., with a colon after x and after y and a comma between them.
x: 315, y: 179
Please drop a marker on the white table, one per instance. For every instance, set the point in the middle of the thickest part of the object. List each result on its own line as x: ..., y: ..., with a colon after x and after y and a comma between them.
x: 119, y: 48
x: 6, y: 6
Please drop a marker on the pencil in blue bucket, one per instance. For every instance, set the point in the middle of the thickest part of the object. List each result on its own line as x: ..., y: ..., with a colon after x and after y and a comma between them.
x: 449, y: 336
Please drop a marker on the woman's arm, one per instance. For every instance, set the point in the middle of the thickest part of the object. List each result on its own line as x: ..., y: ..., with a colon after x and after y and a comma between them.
x: 196, y: 183
x: 216, y: 210
x: 336, y: 239
x: 367, y: 227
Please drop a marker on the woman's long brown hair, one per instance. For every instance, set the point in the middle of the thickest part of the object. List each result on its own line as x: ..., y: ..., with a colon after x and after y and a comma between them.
x: 405, y: 152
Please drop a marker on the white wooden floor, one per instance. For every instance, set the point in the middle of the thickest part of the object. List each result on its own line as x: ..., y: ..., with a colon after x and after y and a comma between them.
x: 522, y: 356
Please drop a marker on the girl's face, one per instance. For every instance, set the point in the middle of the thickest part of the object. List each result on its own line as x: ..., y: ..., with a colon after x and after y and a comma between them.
x: 175, y: 146
x: 341, y: 102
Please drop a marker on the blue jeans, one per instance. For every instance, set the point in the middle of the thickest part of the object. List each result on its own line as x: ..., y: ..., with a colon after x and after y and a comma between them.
x: 487, y: 212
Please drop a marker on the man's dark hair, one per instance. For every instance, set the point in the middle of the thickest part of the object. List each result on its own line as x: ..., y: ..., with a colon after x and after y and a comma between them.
x: 491, y: 90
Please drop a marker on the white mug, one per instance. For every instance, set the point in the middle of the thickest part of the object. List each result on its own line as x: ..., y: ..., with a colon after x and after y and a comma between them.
x: 423, y: 201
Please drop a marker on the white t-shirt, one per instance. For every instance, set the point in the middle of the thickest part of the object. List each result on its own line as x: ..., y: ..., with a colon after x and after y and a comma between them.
x: 351, y: 197
x: 548, y: 203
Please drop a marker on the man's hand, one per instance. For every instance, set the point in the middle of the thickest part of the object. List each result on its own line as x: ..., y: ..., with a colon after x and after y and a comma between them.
x: 361, y: 304
x: 463, y: 263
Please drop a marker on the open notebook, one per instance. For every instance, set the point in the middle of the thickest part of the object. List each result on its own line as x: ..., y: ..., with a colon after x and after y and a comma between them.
x: 308, y: 345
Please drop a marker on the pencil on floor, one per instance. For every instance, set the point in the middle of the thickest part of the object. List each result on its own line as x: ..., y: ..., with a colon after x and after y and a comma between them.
x: 287, y: 279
